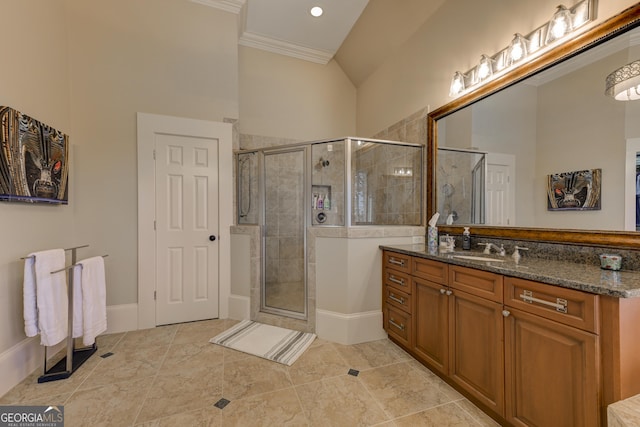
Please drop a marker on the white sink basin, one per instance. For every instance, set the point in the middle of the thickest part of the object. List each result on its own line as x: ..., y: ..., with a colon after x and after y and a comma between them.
x: 478, y: 258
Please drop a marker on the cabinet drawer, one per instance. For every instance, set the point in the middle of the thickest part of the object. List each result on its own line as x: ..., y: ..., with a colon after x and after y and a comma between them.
x: 476, y: 282
x: 397, y: 298
x: 568, y: 306
x: 396, y: 279
x: 398, y: 325
x: 431, y: 270
x: 396, y: 261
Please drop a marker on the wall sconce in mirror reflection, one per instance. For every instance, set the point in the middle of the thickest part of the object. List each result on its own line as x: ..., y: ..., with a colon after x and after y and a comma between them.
x: 624, y: 83
x: 402, y: 171
x: 565, y: 21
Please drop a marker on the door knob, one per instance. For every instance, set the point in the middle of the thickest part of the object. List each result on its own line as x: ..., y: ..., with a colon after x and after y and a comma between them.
x: 212, y: 237
x: 506, y: 313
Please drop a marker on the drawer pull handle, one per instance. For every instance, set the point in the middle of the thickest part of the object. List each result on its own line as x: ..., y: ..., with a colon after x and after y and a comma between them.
x: 399, y: 262
x: 401, y: 326
x: 560, y: 305
x: 396, y: 299
x: 396, y: 281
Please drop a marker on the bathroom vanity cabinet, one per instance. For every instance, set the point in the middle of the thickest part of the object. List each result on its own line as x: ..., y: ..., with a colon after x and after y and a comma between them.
x: 556, y: 357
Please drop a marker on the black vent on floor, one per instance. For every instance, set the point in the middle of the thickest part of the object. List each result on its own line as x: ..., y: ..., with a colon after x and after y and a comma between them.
x: 222, y: 403
x: 353, y: 372
x: 104, y: 356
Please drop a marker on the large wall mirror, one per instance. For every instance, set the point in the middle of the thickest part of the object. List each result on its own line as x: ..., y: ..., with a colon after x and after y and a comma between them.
x: 494, y: 150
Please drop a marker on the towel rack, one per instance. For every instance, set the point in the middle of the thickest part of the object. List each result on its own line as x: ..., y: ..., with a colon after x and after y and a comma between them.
x: 75, y: 356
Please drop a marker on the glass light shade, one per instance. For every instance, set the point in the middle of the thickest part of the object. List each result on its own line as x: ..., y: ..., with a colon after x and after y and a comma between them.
x: 560, y: 25
x: 517, y: 49
x: 457, y: 84
x: 624, y: 83
x: 485, y: 68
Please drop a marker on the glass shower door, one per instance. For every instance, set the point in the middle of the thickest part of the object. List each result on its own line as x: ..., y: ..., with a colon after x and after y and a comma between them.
x: 284, y: 274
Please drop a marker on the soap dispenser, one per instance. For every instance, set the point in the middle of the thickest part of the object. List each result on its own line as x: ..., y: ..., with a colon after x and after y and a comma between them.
x: 466, y: 239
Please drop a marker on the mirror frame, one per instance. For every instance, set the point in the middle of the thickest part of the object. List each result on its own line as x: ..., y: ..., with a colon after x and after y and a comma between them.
x: 600, y: 33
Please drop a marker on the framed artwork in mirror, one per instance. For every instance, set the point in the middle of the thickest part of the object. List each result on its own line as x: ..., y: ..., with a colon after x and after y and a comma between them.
x: 576, y: 191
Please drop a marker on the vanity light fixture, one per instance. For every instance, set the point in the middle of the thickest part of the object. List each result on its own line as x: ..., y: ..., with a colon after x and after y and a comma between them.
x: 518, y: 49
x: 624, y: 83
x: 560, y: 25
x: 485, y: 68
x: 565, y: 21
x: 457, y: 84
x: 316, y: 11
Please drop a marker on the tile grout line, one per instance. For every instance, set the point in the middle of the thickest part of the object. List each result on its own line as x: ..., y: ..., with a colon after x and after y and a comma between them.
x: 155, y: 377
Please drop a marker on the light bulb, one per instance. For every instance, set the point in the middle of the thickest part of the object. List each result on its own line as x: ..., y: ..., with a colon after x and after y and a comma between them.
x: 316, y: 11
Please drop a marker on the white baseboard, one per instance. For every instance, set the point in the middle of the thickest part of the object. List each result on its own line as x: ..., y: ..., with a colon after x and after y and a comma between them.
x: 349, y: 328
x: 19, y: 361
x: 239, y: 307
x: 122, y: 318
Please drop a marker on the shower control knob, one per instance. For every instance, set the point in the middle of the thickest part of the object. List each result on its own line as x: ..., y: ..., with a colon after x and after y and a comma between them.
x: 212, y: 238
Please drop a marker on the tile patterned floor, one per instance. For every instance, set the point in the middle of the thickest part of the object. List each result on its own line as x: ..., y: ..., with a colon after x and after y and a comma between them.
x: 173, y: 376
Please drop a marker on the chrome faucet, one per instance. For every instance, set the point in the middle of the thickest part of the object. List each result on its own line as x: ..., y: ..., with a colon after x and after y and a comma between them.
x: 516, y: 255
x: 488, y: 246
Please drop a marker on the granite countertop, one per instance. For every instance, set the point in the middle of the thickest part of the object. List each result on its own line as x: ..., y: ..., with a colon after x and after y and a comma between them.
x: 583, y: 277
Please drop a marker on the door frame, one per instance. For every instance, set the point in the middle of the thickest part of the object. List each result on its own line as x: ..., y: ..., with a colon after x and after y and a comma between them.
x: 148, y: 125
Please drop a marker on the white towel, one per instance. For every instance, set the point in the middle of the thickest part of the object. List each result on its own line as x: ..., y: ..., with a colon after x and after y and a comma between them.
x: 89, y: 300
x: 45, y: 296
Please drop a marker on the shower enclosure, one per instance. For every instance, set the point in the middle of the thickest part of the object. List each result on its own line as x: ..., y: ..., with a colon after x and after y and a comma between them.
x: 461, y: 185
x: 348, y: 182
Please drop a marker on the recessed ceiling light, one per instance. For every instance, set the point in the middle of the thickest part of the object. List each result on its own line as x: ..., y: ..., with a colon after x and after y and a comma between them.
x: 316, y: 11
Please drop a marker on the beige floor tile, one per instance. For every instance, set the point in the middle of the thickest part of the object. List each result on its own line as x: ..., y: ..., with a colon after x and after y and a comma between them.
x: 339, y: 401
x: 251, y: 376
x: 482, y: 418
x: 30, y: 390
x: 196, y: 332
x: 371, y: 354
x: 316, y: 363
x: 278, y: 408
x: 172, y: 376
x: 143, y: 338
x: 188, y: 389
x: 205, y: 417
x: 185, y: 356
x: 126, y: 365
x: 107, y: 342
x: 110, y: 405
x: 448, y: 415
x: 400, y: 389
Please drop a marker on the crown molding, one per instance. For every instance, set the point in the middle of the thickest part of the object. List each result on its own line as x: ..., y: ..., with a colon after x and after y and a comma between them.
x: 284, y: 48
x: 233, y: 6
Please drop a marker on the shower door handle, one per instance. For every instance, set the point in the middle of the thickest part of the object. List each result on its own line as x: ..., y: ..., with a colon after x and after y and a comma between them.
x: 212, y: 238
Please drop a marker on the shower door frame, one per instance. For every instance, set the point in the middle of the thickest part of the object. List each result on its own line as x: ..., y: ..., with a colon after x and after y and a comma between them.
x: 306, y: 196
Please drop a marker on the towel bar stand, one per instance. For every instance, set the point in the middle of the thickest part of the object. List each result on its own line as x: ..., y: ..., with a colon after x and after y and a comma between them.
x: 75, y: 356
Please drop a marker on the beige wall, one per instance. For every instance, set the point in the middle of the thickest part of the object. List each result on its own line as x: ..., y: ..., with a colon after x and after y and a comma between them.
x: 419, y: 73
x: 290, y: 98
x: 169, y: 57
x: 33, y: 80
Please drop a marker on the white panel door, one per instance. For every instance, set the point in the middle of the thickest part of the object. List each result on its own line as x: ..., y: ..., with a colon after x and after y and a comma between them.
x: 186, y: 226
x: 500, y: 197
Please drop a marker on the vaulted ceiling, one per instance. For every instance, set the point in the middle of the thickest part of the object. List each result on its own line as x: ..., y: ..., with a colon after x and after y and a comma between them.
x: 359, y: 34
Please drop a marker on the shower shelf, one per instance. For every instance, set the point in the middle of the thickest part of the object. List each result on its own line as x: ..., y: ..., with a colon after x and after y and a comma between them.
x: 324, y: 190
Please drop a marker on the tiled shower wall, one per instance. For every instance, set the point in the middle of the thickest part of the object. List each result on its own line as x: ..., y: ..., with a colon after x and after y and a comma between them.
x: 331, y: 176
x: 380, y: 195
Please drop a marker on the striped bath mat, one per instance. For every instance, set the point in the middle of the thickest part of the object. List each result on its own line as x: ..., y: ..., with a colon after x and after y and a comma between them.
x: 266, y: 341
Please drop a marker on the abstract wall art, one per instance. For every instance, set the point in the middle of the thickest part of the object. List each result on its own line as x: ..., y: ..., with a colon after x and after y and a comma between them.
x: 578, y: 190
x: 34, y: 160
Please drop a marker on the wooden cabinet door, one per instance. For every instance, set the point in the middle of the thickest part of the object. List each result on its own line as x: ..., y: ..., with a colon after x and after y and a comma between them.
x: 430, y: 323
x: 476, y: 350
x: 551, y: 373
